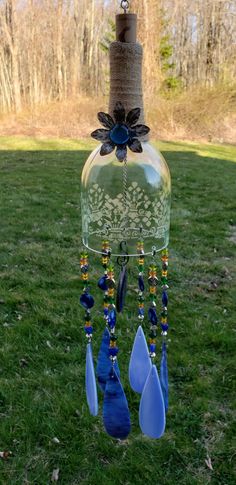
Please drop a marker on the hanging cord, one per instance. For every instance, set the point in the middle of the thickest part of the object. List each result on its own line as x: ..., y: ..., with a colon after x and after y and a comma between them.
x: 125, y: 5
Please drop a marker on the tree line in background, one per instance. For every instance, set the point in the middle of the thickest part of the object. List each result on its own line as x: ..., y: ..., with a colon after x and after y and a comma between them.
x: 55, y: 49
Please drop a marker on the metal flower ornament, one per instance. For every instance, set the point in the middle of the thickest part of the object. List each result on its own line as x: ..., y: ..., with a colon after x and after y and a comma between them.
x: 120, y: 133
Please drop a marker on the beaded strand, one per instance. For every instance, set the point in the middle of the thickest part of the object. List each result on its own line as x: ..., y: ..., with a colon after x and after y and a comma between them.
x: 152, y: 313
x: 140, y: 252
x: 86, y: 298
x: 164, y: 281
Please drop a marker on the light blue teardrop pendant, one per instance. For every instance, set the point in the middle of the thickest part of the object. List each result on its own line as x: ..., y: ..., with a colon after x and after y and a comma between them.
x: 152, y: 419
x: 116, y: 417
x: 90, y: 383
x: 104, y: 364
x: 164, y: 375
x: 140, y: 362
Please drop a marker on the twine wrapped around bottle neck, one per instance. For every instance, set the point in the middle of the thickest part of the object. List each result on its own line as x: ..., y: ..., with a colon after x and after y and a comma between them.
x: 126, y: 67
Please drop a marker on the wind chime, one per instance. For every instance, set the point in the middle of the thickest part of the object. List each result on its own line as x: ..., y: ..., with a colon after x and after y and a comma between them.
x: 125, y: 203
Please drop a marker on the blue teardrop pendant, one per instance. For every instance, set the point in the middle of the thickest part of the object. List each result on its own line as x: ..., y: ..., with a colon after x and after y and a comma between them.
x: 104, y: 364
x: 121, y: 290
x: 152, y: 409
x: 140, y: 362
x: 164, y: 375
x: 116, y: 417
x: 90, y: 383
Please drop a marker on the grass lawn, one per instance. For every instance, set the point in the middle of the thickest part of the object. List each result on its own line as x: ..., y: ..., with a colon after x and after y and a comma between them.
x: 42, y: 394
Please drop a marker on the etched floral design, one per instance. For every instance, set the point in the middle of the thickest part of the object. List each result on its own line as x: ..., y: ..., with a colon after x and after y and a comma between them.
x: 121, y: 132
x: 106, y: 217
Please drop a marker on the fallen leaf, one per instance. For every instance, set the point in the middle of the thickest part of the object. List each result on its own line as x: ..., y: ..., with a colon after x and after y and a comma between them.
x: 56, y: 440
x: 55, y: 475
x: 208, y: 463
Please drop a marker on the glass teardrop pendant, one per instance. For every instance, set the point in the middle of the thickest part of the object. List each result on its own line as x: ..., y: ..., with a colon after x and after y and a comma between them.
x: 164, y: 375
x: 152, y: 410
x: 140, y: 362
x: 116, y: 417
x: 104, y: 364
x: 90, y: 383
x: 121, y: 290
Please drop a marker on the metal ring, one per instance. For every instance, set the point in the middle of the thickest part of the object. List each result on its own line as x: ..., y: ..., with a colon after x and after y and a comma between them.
x: 125, y: 5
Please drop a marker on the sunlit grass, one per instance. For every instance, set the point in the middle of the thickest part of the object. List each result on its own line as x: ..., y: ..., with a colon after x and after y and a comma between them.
x: 41, y: 326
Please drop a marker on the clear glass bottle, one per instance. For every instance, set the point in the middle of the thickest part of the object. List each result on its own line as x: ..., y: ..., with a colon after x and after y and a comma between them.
x: 126, y: 201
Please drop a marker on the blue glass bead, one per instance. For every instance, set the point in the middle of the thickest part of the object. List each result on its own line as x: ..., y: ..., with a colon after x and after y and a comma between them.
x: 86, y: 300
x: 88, y: 330
x: 102, y: 284
x: 105, y: 311
x: 119, y: 134
x: 141, y: 311
x: 141, y: 283
x: 113, y: 351
x: 112, y: 318
x: 164, y: 298
x: 164, y: 327
x: 152, y: 347
x: 152, y: 315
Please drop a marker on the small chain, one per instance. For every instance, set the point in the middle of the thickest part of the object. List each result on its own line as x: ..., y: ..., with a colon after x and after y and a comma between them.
x: 125, y: 186
x: 125, y: 5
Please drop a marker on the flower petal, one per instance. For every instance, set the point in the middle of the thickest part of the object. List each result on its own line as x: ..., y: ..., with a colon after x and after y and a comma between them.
x: 133, y: 116
x: 135, y: 146
x: 105, y: 119
x: 107, y: 148
x: 141, y: 130
x: 121, y: 152
x: 119, y: 113
x: 101, y: 134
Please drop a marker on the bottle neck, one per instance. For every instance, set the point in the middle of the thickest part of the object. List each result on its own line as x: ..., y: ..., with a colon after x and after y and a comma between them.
x: 126, y: 66
x: 126, y: 76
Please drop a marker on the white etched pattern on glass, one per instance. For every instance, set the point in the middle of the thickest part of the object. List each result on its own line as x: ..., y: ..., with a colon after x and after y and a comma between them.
x: 106, y: 216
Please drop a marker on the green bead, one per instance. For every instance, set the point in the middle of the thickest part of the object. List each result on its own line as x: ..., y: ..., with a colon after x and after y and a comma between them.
x: 164, y: 280
x: 141, y: 268
x: 113, y: 337
x: 164, y: 313
x: 152, y: 297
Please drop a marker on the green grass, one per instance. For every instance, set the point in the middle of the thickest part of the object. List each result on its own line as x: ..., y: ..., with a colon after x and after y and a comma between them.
x: 42, y: 396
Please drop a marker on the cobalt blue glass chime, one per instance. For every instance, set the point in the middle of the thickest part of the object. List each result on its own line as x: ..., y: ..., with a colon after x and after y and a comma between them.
x: 125, y: 201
